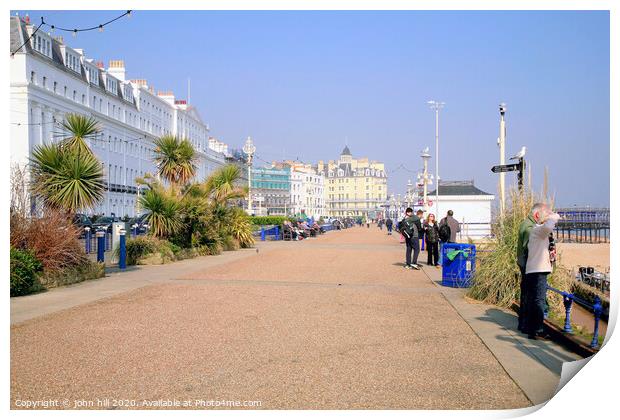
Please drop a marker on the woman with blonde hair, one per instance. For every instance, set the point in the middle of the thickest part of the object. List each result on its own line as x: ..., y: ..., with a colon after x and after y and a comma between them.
x: 431, y: 229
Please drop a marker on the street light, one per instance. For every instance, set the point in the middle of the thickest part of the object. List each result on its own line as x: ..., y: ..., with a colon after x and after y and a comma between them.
x: 425, y: 178
x: 435, y: 105
x: 501, y: 142
x: 249, y: 149
x: 408, y: 196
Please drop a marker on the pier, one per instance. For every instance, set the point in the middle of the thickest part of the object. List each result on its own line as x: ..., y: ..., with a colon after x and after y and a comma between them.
x: 583, y: 225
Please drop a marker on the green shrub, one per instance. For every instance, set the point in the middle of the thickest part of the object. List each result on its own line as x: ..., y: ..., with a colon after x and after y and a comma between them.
x: 89, y: 270
x: 186, y: 253
x: 167, y: 245
x: 230, y: 244
x: 168, y: 251
x: 138, y: 248
x: 269, y: 220
x: 24, y: 269
x: 239, y: 228
x: 214, y: 248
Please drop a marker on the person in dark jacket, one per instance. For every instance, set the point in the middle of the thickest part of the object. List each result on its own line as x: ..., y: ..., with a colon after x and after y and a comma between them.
x: 431, y: 230
x: 453, y: 224
x: 388, y: 225
x: 411, y: 228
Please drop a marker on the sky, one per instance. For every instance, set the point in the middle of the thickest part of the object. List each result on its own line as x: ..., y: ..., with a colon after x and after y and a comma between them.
x: 305, y: 84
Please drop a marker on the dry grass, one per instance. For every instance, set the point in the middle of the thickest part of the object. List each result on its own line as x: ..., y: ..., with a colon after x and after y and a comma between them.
x: 497, y: 278
x: 52, y: 238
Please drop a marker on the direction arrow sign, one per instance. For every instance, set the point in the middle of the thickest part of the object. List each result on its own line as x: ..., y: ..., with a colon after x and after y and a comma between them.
x: 505, y: 168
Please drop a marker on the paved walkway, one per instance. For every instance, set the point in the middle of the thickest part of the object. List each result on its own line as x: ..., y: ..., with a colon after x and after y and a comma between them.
x: 330, y: 322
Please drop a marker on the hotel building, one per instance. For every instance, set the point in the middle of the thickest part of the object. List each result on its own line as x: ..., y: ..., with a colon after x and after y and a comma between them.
x: 353, y: 187
x: 50, y: 79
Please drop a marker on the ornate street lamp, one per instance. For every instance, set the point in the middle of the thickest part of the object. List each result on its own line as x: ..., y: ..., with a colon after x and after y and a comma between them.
x: 425, y: 178
x: 436, y: 106
x: 249, y: 149
x: 409, y: 195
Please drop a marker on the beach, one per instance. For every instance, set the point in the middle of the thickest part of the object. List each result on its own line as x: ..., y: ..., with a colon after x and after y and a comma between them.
x: 574, y: 255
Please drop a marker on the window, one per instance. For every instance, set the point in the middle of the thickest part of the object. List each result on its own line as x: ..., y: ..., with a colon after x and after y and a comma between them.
x: 55, y: 85
x: 65, y: 92
x: 93, y: 76
x: 111, y: 85
x: 83, y: 99
x: 44, y: 81
x: 74, y: 95
x: 72, y: 61
x: 42, y: 45
x: 33, y: 77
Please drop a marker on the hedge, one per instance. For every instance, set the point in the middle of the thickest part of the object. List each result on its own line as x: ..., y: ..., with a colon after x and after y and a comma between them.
x: 24, y: 269
x: 269, y: 220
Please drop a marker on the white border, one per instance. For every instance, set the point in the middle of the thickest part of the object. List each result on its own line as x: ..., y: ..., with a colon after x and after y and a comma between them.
x: 590, y: 394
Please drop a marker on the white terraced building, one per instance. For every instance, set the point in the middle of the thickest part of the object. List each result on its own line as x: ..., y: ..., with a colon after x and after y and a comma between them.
x: 307, y: 191
x: 49, y: 79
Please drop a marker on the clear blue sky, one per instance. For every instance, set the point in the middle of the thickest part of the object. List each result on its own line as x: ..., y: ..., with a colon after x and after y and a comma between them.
x: 300, y: 83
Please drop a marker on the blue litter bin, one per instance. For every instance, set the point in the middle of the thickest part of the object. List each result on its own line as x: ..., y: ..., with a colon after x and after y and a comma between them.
x: 458, y: 264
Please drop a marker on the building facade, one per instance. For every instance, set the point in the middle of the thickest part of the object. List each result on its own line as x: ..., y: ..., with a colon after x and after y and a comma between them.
x: 307, y: 189
x: 353, y: 187
x: 470, y: 205
x: 271, y: 191
x: 50, y: 79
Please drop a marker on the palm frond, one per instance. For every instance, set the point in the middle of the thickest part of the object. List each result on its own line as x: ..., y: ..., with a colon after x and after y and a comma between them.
x: 81, y: 128
x: 163, y: 214
x: 175, y: 159
x: 65, y: 178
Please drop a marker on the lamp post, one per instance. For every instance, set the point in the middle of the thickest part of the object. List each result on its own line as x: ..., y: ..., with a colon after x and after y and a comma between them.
x: 249, y: 149
x: 501, y: 142
x: 435, y: 105
x: 408, y: 196
x: 425, y: 177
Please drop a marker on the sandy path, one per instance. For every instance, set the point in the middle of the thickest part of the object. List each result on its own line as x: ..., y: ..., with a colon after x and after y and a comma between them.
x: 275, y: 327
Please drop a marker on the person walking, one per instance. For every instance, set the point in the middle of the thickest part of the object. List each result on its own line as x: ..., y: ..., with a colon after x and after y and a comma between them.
x: 411, y: 228
x: 452, y: 223
x: 388, y: 226
x: 537, y: 268
x: 431, y: 230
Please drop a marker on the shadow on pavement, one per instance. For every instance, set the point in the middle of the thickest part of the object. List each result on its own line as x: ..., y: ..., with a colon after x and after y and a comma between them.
x: 541, y: 351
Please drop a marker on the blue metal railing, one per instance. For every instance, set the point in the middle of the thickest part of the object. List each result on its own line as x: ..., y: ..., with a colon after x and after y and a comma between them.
x: 596, y: 309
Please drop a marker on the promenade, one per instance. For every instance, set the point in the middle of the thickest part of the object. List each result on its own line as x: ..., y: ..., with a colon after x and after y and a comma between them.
x: 333, y: 322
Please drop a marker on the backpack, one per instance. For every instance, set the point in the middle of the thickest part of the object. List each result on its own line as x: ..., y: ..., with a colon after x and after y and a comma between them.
x: 444, y: 232
x: 409, y: 229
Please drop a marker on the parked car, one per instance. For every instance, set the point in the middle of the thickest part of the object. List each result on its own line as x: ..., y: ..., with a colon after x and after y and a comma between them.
x: 105, y: 223
x: 140, y: 221
x: 82, y: 221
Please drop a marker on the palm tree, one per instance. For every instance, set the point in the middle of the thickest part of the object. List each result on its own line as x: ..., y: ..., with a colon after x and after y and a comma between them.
x: 222, y: 185
x: 81, y: 128
x: 221, y: 188
x: 163, y: 216
x: 239, y: 226
x: 65, y: 178
x: 175, y: 159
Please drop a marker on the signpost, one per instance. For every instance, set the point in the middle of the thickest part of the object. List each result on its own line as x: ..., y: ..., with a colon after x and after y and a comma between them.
x: 520, y: 167
x: 505, y: 168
